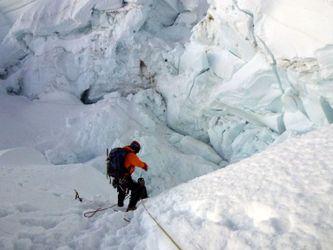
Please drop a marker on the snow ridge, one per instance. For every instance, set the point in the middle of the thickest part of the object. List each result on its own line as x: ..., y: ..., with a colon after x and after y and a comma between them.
x: 280, y: 198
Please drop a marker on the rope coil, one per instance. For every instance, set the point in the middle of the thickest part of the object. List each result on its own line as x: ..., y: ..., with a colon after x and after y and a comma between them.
x: 91, y: 213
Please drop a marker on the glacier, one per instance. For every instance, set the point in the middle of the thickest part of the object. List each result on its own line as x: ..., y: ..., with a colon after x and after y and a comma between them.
x: 235, y: 75
x: 203, y: 85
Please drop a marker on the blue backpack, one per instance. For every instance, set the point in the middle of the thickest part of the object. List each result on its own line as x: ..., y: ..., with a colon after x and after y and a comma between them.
x: 115, y: 162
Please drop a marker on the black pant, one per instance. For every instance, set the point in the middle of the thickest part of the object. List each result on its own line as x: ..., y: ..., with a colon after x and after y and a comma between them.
x: 138, y: 191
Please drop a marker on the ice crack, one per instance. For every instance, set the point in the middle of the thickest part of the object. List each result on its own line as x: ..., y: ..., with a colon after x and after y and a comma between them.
x: 267, y: 49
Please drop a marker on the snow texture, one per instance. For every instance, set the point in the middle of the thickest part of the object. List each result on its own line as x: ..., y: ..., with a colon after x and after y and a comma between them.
x: 66, y: 131
x: 279, y: 199
x: 201, y: 84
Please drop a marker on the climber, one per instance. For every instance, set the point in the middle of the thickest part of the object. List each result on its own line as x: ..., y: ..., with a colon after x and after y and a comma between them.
x: 121, y: 163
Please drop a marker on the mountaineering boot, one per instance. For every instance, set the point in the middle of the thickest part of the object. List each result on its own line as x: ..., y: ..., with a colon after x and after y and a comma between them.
x: 119, y: 209
x: 131, y: 209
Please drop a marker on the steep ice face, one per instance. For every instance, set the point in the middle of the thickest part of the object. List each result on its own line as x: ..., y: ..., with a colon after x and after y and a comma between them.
x: 252, y: 71
x: 10, y: 10
x: 100, y: 46
x: 237, y: 79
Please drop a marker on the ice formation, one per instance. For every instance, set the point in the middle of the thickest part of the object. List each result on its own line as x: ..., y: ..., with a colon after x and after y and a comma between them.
x: 233, y: 74
x: 200, y: 84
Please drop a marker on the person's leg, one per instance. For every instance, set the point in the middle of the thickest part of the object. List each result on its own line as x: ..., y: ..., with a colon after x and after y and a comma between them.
x: 138, y: 192
x: 122, y: 191
x: 121, y: 197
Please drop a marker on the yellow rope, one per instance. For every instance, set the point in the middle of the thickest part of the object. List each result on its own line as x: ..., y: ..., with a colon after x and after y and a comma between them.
x: 163, y: 230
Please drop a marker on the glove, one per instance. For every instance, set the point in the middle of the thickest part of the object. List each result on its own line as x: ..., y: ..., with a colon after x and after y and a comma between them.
x: 145, y: 167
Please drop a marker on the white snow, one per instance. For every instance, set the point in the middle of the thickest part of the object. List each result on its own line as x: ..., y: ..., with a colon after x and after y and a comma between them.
x: 66, y: 131
x: 201, y: 84
x: 290, y: 29
x: 38, y: 210
x: 281, y: 198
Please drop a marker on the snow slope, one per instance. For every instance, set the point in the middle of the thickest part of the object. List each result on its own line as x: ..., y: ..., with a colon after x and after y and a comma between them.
x: 281, y: 198
x: 66, y: 131
x: 37, y: 208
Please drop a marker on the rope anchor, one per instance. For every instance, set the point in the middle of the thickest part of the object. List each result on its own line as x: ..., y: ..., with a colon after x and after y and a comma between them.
x: 77, y: 196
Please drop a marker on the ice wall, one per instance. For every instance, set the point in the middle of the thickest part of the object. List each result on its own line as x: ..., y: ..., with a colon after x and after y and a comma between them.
x: 10, y: 10
x: 252, y: 71
x: 100, y: 46
x: 237, y: 76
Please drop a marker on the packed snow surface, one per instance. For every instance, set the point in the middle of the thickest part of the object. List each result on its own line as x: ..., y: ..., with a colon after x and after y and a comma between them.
x: 66, y: 131
x: 279, y: 199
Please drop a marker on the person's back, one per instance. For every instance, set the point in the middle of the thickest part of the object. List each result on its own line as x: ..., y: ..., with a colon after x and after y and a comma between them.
x: 132, y: 160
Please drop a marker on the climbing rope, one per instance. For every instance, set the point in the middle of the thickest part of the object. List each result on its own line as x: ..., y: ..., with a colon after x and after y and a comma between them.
x: 91, y: 213
x: 160, y: 227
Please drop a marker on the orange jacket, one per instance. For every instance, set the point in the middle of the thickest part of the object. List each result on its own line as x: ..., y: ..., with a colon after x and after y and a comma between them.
x: 132, y: 161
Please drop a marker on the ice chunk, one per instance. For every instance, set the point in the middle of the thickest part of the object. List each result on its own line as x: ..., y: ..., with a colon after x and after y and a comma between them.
x: 190, y: 145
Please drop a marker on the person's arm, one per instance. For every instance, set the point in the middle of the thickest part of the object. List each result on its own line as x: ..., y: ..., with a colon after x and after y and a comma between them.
x: 134, y: 160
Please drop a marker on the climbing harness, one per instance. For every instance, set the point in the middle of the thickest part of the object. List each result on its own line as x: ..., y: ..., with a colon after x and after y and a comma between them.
x: 160, y: 227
